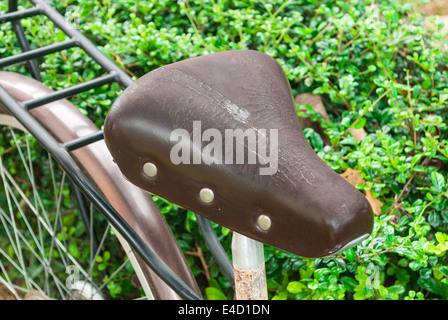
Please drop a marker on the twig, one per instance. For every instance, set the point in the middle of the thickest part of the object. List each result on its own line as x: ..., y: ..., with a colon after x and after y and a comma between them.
x: 198, y: 253
x: 118, y: 58
x: 395, y: 205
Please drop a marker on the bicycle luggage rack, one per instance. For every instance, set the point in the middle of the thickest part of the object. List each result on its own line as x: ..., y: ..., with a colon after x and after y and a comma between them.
x: 60, y: 151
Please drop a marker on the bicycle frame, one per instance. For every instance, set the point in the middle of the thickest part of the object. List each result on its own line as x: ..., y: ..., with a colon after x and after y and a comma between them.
x: 62, y: 151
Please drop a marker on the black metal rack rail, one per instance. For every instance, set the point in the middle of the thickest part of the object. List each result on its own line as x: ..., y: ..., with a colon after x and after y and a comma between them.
x: 20, y: 110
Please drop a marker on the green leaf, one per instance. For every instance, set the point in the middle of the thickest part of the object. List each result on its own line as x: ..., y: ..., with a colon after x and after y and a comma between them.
x: 402, y: 275
x: 213, y: 293
x: 349, y: 283
x: 73, y: 249
x: 106, y: 256
x: 360, y: 123
x: 357, y: 155
x: 314, y: 138
x: 114, y: 288
x: 281, y: 295
x: 225, y: 231
x: 438, y: 181
x: 319, y: 274
x: 443, y: 269
x: 349, y: 254
x: 441, y: 237
x: 295, y: 287
x: 397, y: 289
x: 430, y: 285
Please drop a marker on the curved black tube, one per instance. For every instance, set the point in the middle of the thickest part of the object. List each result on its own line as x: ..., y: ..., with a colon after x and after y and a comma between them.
x: 218, y: 252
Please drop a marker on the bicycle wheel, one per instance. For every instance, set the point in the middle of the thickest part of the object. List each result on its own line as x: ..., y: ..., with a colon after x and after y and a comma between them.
x: 44, y: 245
x: 65, y: 122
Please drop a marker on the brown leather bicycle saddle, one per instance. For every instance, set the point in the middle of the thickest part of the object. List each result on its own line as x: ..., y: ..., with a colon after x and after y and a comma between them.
x: 219, y: 135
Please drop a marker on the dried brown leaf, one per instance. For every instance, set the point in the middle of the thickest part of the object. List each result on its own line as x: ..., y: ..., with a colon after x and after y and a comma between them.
x: 353, y: 176
x: 374, y: 203
x: 358, y: 134
x: 314, y: 101
x: 317, y: 104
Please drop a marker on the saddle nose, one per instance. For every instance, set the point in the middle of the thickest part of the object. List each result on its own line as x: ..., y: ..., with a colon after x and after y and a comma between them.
x: 219, y: 135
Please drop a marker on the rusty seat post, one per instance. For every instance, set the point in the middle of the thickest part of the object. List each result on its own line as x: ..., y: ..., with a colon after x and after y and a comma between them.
x: 249, y: 268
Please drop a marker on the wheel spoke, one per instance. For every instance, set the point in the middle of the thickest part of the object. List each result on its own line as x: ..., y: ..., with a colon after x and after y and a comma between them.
x: 38, y: 249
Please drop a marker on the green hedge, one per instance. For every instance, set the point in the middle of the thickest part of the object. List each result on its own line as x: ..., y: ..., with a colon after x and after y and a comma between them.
x: 377, y: 68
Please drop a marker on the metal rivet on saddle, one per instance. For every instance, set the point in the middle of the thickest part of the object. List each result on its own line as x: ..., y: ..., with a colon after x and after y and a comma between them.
x: 150, y: 169
x: 264, y: 222
x: 206, y: 195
